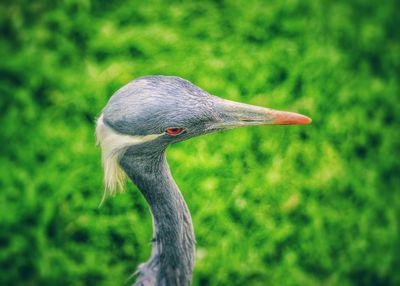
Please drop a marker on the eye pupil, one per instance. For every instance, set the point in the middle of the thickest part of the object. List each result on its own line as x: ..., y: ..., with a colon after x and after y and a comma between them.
x: 174, y: 131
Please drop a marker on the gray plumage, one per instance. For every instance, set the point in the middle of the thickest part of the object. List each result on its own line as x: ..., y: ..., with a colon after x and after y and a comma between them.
x: 142, y: 113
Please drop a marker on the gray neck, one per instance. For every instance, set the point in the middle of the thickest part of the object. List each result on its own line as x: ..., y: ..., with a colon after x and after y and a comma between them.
x: 172, y: 258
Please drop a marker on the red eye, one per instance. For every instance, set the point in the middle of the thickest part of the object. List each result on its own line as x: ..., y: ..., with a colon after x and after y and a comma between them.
x: 174, y: 131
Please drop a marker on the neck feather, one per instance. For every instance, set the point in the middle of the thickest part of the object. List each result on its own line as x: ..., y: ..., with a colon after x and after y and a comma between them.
x: 172, y: 258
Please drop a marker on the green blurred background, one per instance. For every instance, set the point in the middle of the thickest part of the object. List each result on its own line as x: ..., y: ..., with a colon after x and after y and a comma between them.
x: 294, y: 205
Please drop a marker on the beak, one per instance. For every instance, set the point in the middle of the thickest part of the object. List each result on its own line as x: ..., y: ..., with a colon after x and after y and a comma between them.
x: 236, y: 114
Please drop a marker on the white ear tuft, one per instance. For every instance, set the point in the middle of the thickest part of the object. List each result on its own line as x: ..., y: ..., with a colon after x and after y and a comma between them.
x: 113, y: 145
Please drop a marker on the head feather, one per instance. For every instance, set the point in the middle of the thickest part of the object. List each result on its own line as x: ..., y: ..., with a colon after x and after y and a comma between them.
x: 113, y: 146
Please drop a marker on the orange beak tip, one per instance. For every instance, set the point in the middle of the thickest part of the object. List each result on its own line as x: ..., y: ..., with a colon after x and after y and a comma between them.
x: 290, y: 118
x: 305, y: 120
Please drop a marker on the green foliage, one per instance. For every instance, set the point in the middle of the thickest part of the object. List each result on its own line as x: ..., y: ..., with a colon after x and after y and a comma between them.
x: 298, y: 205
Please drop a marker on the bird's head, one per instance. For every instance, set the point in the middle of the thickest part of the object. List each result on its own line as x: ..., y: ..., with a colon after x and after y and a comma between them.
x: 149, y: 113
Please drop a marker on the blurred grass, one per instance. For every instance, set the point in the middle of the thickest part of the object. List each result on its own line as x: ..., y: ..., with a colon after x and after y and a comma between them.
x: 308, y: 205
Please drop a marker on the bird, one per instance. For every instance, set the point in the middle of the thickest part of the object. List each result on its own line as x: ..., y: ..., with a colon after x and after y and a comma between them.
x: 134, y: 129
